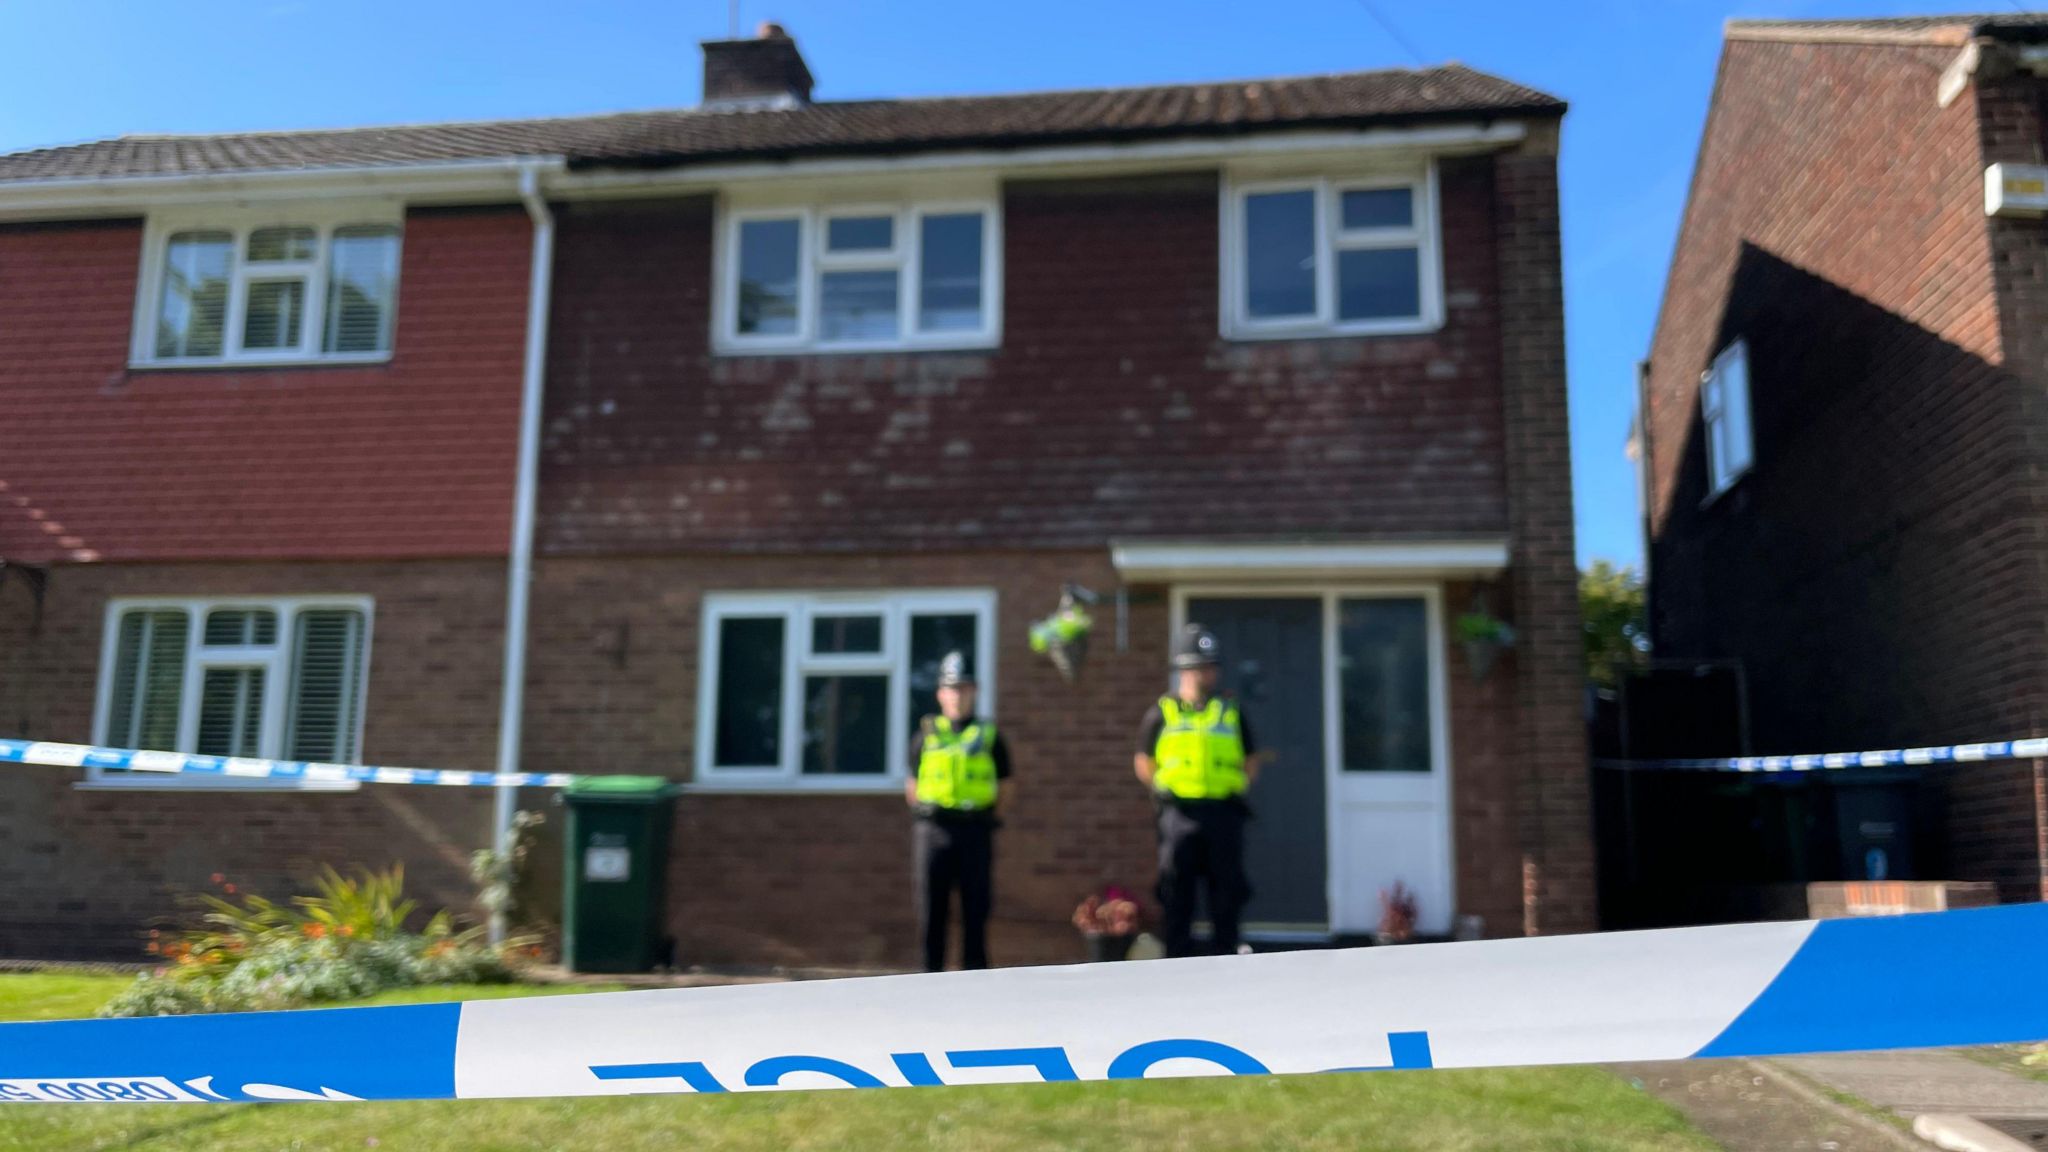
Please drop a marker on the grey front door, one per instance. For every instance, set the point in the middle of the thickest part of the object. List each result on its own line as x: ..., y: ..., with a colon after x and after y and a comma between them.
x: 1273, y: 661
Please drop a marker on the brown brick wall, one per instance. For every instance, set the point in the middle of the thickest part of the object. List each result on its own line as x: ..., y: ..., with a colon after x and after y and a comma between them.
x: 1111, y: 399
x: 1879, y: 570
x: 1556, y: 800
x: 812, y: 878
x: 90, y: 870
x: 409, y: 458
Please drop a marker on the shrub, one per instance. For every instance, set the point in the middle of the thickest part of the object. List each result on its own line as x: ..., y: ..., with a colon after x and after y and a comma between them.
x: 347, y: 941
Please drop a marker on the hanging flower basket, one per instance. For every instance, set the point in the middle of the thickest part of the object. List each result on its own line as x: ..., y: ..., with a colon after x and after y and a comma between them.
x: 1063, y: 636
x: 1483, y: 636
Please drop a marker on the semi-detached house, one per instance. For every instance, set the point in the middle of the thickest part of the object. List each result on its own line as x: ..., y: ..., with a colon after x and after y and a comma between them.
x: 824, y: 390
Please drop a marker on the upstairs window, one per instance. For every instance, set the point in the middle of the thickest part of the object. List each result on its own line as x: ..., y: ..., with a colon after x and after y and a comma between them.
x: 825, y: 692
x: 1315, y: 257
x: 259, y: 679
x: 857, y: 278
x: 1724, y: 410
x: 218, y: 294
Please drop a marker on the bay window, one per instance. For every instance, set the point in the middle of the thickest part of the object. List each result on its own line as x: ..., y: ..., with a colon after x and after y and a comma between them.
x: 825, y: 691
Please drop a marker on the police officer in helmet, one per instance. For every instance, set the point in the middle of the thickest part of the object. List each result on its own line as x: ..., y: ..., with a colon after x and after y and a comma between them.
x: 1195, y: 752
x: 958, y: 771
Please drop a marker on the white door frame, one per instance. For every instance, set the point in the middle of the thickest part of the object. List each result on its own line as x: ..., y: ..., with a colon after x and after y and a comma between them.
x: 1432, y: 596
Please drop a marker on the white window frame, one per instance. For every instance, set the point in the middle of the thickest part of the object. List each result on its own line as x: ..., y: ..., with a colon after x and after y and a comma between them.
x: 323, y: 218
x: 796, y: 610
x: 274, y: 659
x: 1424, y: 235
x: 813, y: 261
x: 1725, y: 430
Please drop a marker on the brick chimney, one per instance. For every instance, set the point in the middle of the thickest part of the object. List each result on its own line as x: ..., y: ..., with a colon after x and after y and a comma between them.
x: 766, y: 71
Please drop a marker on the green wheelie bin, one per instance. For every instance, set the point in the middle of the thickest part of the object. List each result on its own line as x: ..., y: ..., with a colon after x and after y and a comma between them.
x: 615, y: 851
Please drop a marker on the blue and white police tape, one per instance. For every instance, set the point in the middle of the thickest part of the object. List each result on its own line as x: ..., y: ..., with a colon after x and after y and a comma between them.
x: 180, y: 763
x: 2034, y: 749
x: 1930, y: 980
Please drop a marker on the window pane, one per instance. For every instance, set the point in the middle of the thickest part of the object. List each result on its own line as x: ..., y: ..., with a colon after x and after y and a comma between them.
x: 749, y: 690
x: 1383, y: 680
x: 149, y: 680
x: 275, y: 317
x: 230, y: 712
x: 268, y: 244
x: 1379, y: 284
x: 857, y: 306
x: 1280, y: 254
x: 236, y: 626
x: 362, y: 285
x: 931, y: 637
x: 1734, y: 375
x: 845, y: 634
x: 193, y: 311
x: 768, y: 262
x: 846, y: 725
x: 327, y: 686
x: 1379, y: 208
x: 860, y: 234
x: 949, y: 270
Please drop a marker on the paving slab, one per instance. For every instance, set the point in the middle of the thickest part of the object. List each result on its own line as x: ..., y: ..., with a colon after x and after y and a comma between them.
x: 1747, y: 1107
x: 1923, y: 1081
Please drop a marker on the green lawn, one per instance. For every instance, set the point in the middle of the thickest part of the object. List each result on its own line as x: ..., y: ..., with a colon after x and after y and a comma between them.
x: 1569, y: 1108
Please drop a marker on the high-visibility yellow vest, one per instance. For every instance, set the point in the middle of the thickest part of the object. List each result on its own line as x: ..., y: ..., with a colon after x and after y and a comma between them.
x: 956, y: 768
x: 1200, y: 753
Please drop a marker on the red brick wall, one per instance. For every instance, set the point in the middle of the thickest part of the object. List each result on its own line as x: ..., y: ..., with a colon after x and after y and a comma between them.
x: 409, y: 458
x: 1111, y: 401
x: 805, y: 879
x: 1879, y: 569
x: 90, y: 870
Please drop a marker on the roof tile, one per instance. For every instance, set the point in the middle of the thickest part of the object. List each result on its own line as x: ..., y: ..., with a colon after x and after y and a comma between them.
x: 684, y: 136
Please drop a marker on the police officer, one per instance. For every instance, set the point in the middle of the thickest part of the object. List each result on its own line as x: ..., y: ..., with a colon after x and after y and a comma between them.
x: 1195, y: 752
x: 958, y: 765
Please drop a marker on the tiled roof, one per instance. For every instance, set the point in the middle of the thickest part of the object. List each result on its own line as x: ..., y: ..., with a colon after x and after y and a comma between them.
x: 1954, y: 28
x: 686, y: 136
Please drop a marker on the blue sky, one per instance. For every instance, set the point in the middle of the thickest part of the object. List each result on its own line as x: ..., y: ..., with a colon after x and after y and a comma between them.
x: 1637, y: 73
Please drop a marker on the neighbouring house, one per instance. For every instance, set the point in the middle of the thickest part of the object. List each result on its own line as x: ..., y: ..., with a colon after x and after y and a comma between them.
x: 831, y: 388
x: 1843, y: 427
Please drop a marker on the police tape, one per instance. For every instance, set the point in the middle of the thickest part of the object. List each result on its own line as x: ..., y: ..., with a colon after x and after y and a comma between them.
x: 180, y: 763
x: 2034, y: 749
x: 1928, y: 980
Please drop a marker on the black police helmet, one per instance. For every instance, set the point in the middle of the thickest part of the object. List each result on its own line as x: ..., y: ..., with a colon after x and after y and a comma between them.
x: 953, y: 671
x: 1195, y: 647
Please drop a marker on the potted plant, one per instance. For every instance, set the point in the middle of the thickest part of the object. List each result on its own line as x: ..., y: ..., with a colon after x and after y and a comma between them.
x: 1397, y: 915
x: 1108, y: 923
x: 1483, y: 635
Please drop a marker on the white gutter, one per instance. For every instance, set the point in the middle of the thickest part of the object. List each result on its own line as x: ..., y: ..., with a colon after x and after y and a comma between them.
x: 519, y: 572
x: 454, y: 181
x: 482, y: 180
x: 1193, y: 152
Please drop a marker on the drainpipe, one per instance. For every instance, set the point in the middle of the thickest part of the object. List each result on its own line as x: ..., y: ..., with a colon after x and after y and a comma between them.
x: 519, y: 574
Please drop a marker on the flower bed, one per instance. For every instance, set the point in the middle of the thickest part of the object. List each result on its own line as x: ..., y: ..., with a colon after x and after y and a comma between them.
x: 348, y: 941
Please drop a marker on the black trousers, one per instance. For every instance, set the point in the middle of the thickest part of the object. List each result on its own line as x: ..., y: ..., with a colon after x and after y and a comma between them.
x: 955, y: 853
x: 1201, y: 845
